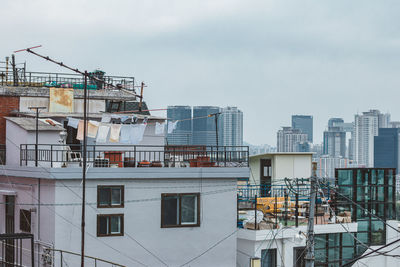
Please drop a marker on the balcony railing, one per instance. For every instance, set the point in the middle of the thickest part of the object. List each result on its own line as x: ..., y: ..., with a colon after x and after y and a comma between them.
x: 76, y: 81
x: 51, y: 155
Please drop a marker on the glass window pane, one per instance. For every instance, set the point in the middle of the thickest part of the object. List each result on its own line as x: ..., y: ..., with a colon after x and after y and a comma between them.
x: 381, y: 177
x: 103, y: 225
x: 363, y: 237
x: 116, y: 196
x: 104, y: 196
x: 373, y: 177
x: 170, y: 210
x: 347, y: 239
x: 345, y: 177
x: 189, y: 209
x: 333, y: 240
x: 115, y: 224
x: 333, y: 254
x: 320, y: 241
x: 268, y: 258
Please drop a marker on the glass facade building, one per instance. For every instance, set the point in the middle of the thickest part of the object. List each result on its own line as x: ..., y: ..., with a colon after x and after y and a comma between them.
x: 361, y: 192
x: 204, y: 129
x: 305, y: 124
x: 386, y: 148
x: 182, y: 135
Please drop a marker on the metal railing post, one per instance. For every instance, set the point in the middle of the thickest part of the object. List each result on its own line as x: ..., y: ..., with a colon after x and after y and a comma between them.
x: 61, y: 258
x: 51, y: 156
x: 255, y: 212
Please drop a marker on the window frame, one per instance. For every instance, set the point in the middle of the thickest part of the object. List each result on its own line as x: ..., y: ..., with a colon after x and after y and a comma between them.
x: 179, y: 195
x: 122, y: 187
x: 109, y: 224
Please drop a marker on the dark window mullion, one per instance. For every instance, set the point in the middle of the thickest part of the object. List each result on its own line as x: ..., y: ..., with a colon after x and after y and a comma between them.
x: 180, y: 209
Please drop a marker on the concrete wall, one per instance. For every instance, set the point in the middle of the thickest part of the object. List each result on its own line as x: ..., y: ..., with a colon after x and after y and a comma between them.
x: 27, y: 193
x: 17, y: 136
x: 95, y: 105
x: 174, y: 246
x: 291, y: 166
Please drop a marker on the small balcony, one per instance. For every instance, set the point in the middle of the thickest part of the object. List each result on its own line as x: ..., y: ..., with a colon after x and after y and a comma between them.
x: 131, y: 156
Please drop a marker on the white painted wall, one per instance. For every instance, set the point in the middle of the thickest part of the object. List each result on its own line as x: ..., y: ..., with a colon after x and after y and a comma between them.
x: 291, y: 166
x: 175, y: 246
x: 15, y: 136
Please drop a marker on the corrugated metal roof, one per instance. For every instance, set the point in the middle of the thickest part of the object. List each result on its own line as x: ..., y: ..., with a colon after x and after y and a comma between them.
x: 29, y: 124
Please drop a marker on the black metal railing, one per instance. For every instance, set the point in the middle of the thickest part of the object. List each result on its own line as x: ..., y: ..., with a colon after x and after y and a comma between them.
x: 2, y: 154
x: 135, y: 156
x: 67, y: 80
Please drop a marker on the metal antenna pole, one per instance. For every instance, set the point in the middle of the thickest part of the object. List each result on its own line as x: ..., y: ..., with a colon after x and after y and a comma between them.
x: 37, y: 132
x: 310, y: 227
x: 84, y: 172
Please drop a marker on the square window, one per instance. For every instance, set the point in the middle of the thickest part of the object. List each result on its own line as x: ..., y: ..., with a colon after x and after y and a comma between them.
x: 179, y: 210
x: 110, y: 196
x: 110, y: 224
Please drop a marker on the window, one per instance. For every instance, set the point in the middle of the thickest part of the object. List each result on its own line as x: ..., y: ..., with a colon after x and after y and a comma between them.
x: 25, y: 220
x: 180, y: 210
x: 110, y: 196
x: 268, y: 257
x: 299, y: 254
x: 110, y: 224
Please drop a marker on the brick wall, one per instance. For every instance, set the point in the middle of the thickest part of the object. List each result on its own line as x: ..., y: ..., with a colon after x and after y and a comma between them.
x: 7, y: 104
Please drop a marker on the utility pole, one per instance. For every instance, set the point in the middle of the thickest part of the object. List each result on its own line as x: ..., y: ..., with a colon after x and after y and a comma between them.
x: 37, y: 132
x: 84, y: 171
x: 310, y: 227
x: 216, y: 130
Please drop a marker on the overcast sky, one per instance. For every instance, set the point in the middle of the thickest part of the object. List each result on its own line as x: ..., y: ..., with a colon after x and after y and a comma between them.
x: 271, y: 59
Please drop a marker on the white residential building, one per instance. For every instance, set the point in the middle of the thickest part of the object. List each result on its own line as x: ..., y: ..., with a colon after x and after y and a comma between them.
x: 231, y: 127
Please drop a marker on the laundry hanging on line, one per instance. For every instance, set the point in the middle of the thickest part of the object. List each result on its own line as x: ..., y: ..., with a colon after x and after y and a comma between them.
x: 73, y: 122
x: 160, y: 128
x: 93, y: 127
x: 114, y: 133
x: 171, y: 126
x: 102, y: 133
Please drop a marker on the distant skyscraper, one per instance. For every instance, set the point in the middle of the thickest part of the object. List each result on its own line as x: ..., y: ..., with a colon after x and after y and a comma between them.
x: 326, y: 165
x: 230, y: 127
x: 334, y: 122
x: 288, y: 139
x: 204, y: 130
x: 365, y: 128
x: 305, y: 124
x: 386, y: 148
x: 335, y: 142
x: 182, y: 135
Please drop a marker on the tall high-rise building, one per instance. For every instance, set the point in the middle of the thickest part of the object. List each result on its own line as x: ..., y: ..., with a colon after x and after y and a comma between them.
x: 230, y: 127
x: 335, y: 142
x: 334, y: 122
x: 288, y: 139
x: 305, y: 124
x: 387, y: 148
x: 365, y: 128
x: 204, y: 129
x: 182, y: 135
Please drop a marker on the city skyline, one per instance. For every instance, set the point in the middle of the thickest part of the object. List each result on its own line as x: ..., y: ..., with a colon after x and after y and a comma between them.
x: 350, y: 44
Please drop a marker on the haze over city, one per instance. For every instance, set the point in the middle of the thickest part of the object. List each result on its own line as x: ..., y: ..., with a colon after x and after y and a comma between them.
x: 271, y: 59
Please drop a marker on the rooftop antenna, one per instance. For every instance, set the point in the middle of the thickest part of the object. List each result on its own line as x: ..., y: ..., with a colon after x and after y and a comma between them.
x: 86, y: 76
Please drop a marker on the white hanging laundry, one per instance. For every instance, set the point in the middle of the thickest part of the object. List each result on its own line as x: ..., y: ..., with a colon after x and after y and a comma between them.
x: 102, y: 134
x: 137, y: 132
x: 73, y: 122
x: 93, y: 127
x: 125, y: 134
x: 172, y: 126
x: 106, y: 118
x: 160, y: 128
x: 114, y: 133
